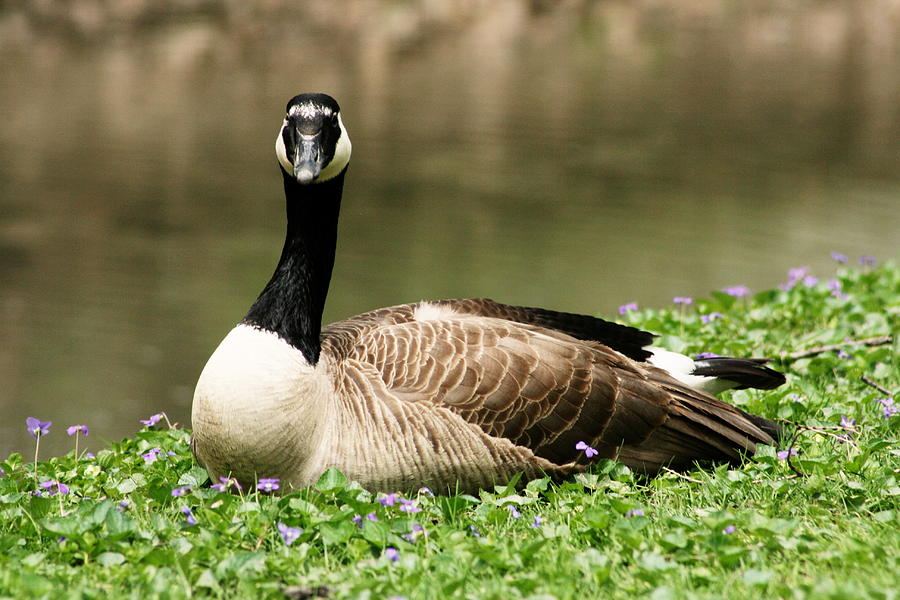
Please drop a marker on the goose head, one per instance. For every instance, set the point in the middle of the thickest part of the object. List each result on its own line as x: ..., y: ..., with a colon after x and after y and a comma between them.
x: 312, y: 145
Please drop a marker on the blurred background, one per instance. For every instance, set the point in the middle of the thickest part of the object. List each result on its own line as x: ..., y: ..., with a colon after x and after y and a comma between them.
x: 575, y: 155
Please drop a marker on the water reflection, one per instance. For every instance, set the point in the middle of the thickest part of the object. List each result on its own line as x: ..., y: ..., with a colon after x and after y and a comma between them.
x: 576, y: 159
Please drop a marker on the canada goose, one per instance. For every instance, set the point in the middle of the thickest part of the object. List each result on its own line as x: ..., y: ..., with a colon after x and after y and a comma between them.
x: 454, y: 393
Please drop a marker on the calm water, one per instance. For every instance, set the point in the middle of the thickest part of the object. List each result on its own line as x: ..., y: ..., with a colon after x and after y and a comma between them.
x: 576, y: 160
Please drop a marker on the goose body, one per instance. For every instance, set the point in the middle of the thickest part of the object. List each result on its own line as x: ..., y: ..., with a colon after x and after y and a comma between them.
x: 456, y: 394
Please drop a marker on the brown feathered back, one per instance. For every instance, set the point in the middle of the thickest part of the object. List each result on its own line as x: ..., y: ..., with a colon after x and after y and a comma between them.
x: 501, y: 369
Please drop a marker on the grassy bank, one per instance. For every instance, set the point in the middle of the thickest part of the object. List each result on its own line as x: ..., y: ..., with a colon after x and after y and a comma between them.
x: 817, y: 517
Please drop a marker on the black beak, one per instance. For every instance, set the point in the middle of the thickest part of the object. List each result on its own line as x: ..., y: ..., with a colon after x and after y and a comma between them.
x: 307, y: 158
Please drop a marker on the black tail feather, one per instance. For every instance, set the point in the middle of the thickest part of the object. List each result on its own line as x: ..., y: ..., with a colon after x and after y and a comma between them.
x: 746, y: 372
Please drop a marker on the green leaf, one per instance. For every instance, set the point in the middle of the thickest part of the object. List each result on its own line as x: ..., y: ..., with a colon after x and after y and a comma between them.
x: 332, y: 480
x: 375, y: 532
x: 108, y: 559
x: 336, y: 532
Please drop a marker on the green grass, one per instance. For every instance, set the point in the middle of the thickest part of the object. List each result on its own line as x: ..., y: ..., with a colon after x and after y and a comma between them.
x: 825, y: 524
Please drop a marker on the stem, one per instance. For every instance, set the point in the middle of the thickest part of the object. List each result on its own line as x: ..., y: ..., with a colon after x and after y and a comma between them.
x: 37, y: 445
x: 77, y: 432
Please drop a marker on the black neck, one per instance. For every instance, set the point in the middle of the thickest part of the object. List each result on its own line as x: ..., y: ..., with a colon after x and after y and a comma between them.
x: 291, y: 304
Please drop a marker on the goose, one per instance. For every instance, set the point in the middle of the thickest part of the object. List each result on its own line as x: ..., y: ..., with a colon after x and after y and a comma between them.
x: 450, y: 394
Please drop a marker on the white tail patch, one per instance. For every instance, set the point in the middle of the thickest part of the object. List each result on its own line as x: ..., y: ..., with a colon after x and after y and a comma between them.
x: 426, y: 311
x: 681, y: 367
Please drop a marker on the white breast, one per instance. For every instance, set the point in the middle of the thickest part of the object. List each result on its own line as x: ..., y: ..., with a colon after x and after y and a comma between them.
x: 258, y: 407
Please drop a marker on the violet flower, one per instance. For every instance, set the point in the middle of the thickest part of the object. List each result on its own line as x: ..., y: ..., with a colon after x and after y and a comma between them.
x: 392, y: 554
x: 268, y: 484
x: 388, y: 499
x: 838, y: 257
x: 151, y: 455
x: 537, y: 521
x: 682, y: 300
x: 417, y: 530
x: 784, y: 454
x: 729, y: 529
x: 37, y: 428
x: 81, y: 429
x: 54, y: 487
x: 190, y: 520
x: 706, y: 319
x: 289, y: 534
x: 409, y: 506
x: 588, y: 451
x: 514, y: 512
x: 635, y: 512
x: 631, y: 306
x: 738, y: 291
x: 180, y: 491
x: 888, y: 407
x: 153, y: 420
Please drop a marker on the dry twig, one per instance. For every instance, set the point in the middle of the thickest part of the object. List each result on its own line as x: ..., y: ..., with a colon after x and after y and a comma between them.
x: 880, y: 340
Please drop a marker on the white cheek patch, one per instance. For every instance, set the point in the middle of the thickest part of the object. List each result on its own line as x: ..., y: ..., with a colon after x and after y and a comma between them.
x: 342, y: 151
x: 341, y: 155
x: 281, y: 152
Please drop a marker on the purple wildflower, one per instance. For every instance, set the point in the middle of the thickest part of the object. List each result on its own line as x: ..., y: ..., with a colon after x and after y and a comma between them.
x: 227, y: 482
x: 682, y: 300
x: 180, y: 491
x: 867, y: 260
x: 729, y: 529
x: 426, y: 491
x: 37, y: 428
x: 843, y: 354
x: 838, y: 257
x: 153, y: 420
x: 268, y: 484
x: 388, y: 500
x: 795, y: 275
x: 151, y: 455
x: 189, y: 515
x: 289, y: 534
x: 711, y: 317
x: 888, y: 407
x: 358, y: 519
x: 537, y: 521
x: 810, y: 281
x: 514, y: 512
x: 123, y: 504
x: 795, y: 398
x: 89, y: 455
x: 847, y: 423
x: 474, y: 531
x: 392, y: 554
x: 835, y: 287
x: 783, y: 454
x: 635, y: 512
x: 82, y: 429
x: 54, y: 487
x: 417, y: 530
x: 588, y: 451
x: 703, y: 355
x: 738, y: 291
x: 409, y: 506
x: 628, y: 307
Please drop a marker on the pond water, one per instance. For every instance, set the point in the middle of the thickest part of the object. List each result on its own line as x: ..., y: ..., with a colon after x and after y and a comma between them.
x: 575, y: 159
